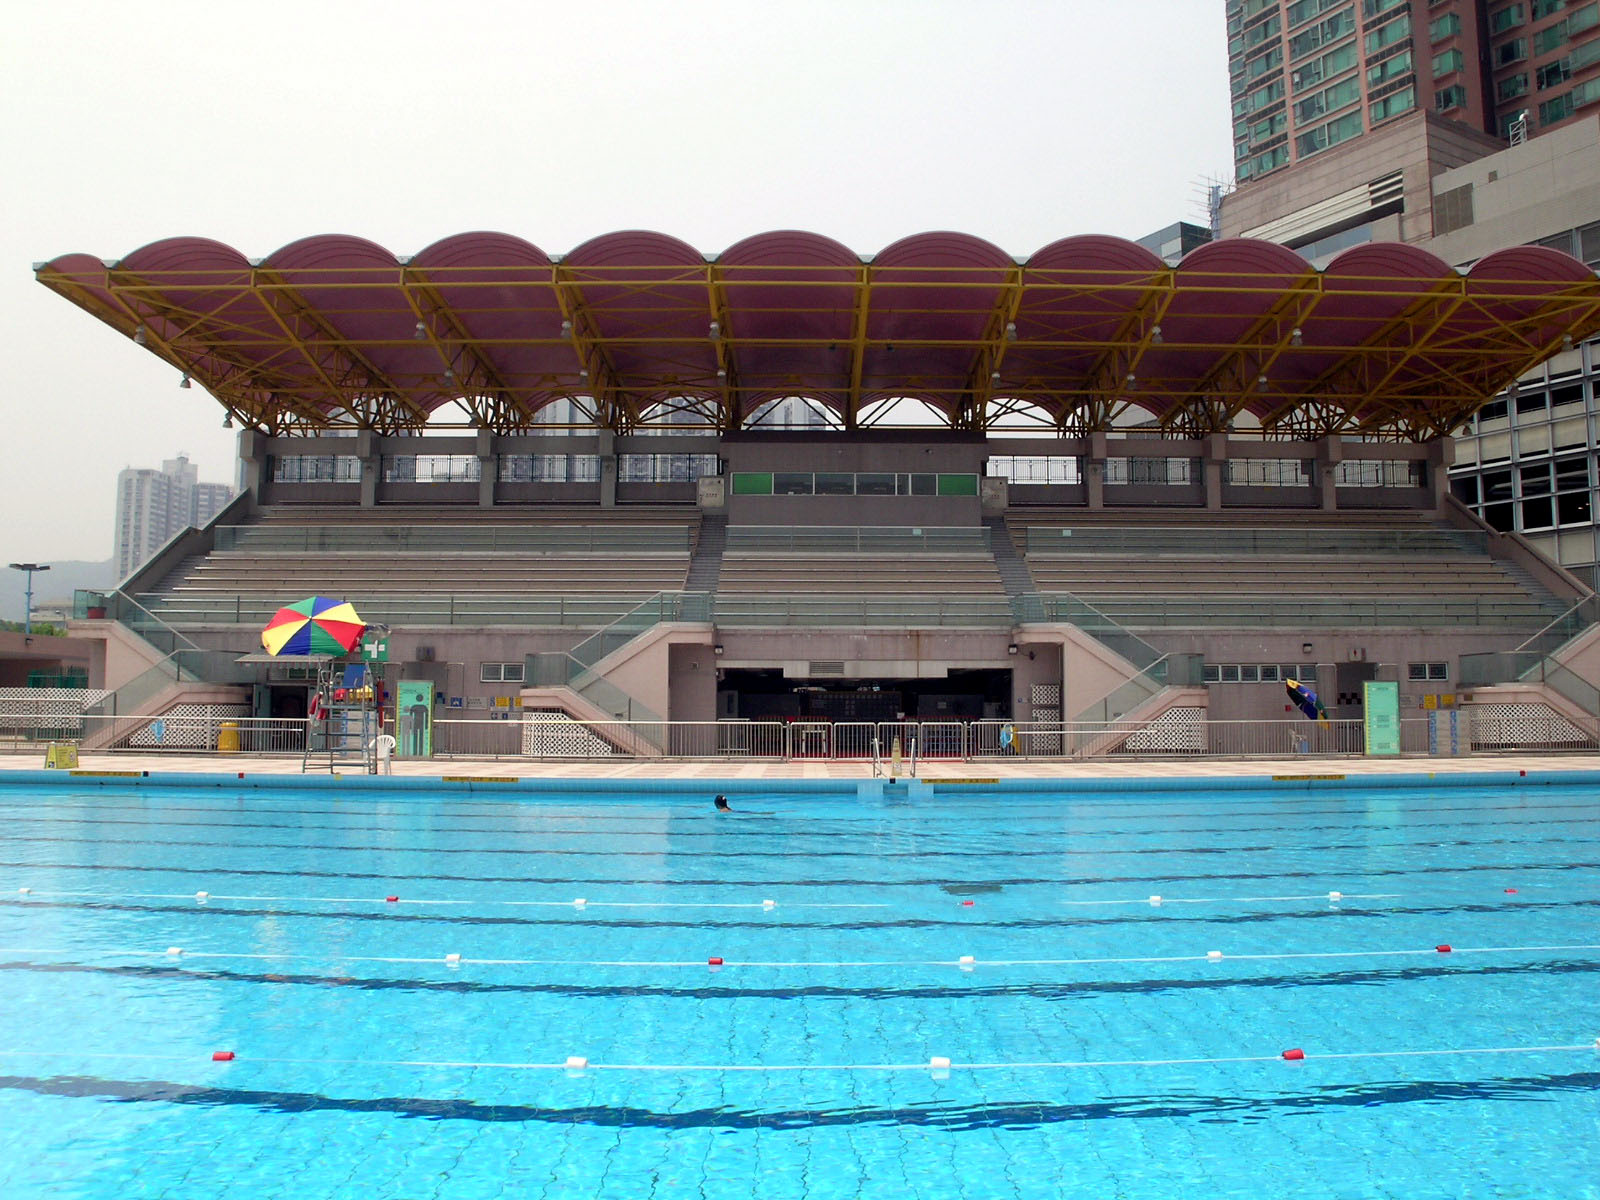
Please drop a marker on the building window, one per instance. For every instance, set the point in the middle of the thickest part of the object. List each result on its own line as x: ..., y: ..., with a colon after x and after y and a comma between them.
x: 1323, y: 33
x: 1451, y: 60
x: 1331, y: 134
x: 1388, y: 35
x: 1328, y: 100
x: 1393, y: 105
x: 1446, y: 26
x: 1507, y: 18
x: 1389, y: 69
x: 1543, y: 8
x: 1424, y: 671
x: 500, y: 672
x: 1454, y: 96
x: 1509, y: 52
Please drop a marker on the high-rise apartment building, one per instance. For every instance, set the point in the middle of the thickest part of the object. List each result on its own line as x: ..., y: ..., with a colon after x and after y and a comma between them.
x: 154, y: 506
x: 1500, y: 147
x: 1308, y: 75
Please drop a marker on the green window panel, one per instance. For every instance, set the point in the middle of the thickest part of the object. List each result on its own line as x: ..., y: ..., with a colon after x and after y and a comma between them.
x: 752, y: 483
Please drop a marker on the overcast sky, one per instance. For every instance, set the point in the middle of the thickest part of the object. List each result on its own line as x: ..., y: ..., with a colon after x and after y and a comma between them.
x: 259, y: 123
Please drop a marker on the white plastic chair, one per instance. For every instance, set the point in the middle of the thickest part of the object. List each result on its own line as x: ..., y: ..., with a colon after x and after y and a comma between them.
x: 383, y: 746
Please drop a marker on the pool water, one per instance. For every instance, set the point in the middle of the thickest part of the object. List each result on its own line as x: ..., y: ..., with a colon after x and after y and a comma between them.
x: 1098, y: 1047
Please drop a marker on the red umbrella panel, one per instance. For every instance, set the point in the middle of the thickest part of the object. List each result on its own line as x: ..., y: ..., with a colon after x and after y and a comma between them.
x: 315, y: 625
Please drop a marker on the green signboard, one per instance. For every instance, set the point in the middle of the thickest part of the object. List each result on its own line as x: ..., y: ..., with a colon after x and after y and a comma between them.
x: 375, y: 647
x: 1382, y: 701
x: 413, y: 718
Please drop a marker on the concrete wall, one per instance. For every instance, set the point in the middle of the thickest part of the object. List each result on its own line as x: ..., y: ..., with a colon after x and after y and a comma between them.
x: 863, y: 452
x: 22, y: 653
x: 1419, y: 145
x: 1546, y: 186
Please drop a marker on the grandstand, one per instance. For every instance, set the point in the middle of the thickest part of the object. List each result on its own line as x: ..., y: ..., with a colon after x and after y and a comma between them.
x: 1084, y: 486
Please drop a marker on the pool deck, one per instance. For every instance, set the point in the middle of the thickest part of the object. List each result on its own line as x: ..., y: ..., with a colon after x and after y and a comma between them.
x: 724, y: 769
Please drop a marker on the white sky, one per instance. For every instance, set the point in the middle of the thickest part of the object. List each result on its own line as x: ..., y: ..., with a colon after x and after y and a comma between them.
x: 400, y: 121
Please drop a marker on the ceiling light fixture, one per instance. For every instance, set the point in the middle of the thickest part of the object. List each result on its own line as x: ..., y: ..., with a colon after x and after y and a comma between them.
x: 716, y: 331
x: 1131, y: 382
x: 421, y: 332
x: 1261, y: 383
x: 184, y: 381
x: 566, y: 330
x: 1295, y: 338
x: 139, y: 337
x: 994, y: 378
x: 1155, y: 335
x: 1011, y: 331
x: 227, y: 421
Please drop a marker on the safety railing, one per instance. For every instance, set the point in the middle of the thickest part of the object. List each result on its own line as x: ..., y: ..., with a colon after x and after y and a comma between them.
x: 859, y: 539
x: 1214, y: 541
x: 902, y: 743
x: 415, y: 608
x: 376, y: 538
x: 1148, y: 611
x: 814, y: 610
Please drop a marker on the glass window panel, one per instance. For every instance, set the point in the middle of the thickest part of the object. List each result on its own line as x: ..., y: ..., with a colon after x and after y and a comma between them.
x: 1538, y: 513
x: 835, y: 483
x: 1573, y: 508
x: 752, y: 483
x: 924, y: 485
x: 1572, y: 474
x: 874, y: 485
x: 958, y: 485
x: 1535, y: 480
x: 792, y: 483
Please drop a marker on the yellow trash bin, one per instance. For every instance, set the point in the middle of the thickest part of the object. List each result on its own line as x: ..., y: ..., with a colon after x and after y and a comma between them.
x: 228, y: 737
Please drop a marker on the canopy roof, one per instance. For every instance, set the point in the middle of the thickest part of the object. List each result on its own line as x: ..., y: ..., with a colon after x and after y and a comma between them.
x: 643, y: 330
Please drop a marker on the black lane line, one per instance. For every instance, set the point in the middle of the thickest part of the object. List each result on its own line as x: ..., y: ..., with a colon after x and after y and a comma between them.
x: 1047, y: 991
x: 814, y: 828
x: 932, y: 881
x: 588, y: 921
x: 1021, y: 806
x: 785, y: 848
x: 1026, y: 1114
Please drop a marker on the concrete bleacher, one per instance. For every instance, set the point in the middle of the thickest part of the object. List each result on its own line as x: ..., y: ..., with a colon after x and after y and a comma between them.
x: 1298, y: 570
x: 430, y: 565
x: 861, y: 575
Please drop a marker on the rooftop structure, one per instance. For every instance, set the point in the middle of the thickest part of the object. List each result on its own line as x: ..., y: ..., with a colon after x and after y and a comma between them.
x: 638, y: 329
x: 1309, y: 75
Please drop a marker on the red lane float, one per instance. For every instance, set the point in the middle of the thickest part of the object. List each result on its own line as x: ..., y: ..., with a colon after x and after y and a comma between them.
x: 391, y: 899
x: 1294, y: 1055
x: 1443, y: 947
x: 222, y: 1056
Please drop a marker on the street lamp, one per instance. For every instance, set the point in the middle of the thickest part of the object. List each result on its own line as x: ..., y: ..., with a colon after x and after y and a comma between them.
x: 29, y: 569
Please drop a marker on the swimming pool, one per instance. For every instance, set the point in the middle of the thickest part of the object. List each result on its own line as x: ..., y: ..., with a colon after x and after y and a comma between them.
x: 1098, y: 1046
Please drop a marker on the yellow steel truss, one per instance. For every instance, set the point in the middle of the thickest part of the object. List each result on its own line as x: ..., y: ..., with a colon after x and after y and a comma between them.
x: 272, y: 345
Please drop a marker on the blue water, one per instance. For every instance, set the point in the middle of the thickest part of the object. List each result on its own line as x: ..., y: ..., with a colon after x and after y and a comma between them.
x: 363, y: 1072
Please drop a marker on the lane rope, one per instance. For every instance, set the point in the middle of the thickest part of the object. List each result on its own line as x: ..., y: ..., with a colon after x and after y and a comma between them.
x: 176, y: 953
x: 578, y: 1064
x: 574, y: 903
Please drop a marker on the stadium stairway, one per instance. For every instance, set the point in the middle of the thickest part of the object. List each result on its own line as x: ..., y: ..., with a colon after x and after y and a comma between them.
x: 1012, y: 567
x: 705, y: 565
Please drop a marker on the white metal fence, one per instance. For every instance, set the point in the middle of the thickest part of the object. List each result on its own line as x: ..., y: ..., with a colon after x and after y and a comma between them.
x: 553, y: 736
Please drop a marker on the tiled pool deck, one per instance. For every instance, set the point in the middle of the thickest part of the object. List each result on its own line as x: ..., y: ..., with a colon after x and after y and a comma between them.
x: 679, y: 769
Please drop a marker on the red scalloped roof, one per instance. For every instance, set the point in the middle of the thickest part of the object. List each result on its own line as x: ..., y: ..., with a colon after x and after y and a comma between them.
x: 1089, y: 333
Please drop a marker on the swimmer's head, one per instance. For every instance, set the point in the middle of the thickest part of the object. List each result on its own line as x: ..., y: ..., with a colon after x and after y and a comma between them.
x: 722, y: 803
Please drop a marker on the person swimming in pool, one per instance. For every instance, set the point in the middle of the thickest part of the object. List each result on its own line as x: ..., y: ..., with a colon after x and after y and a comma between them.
x: 722, y: 803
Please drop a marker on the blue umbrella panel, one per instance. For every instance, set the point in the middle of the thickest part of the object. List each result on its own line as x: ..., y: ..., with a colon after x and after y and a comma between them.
x: 1306, y: 700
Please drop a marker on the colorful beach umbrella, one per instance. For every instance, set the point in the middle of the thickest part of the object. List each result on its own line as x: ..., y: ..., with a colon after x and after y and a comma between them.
x: 315, y: 625
x: 1306, y: 700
